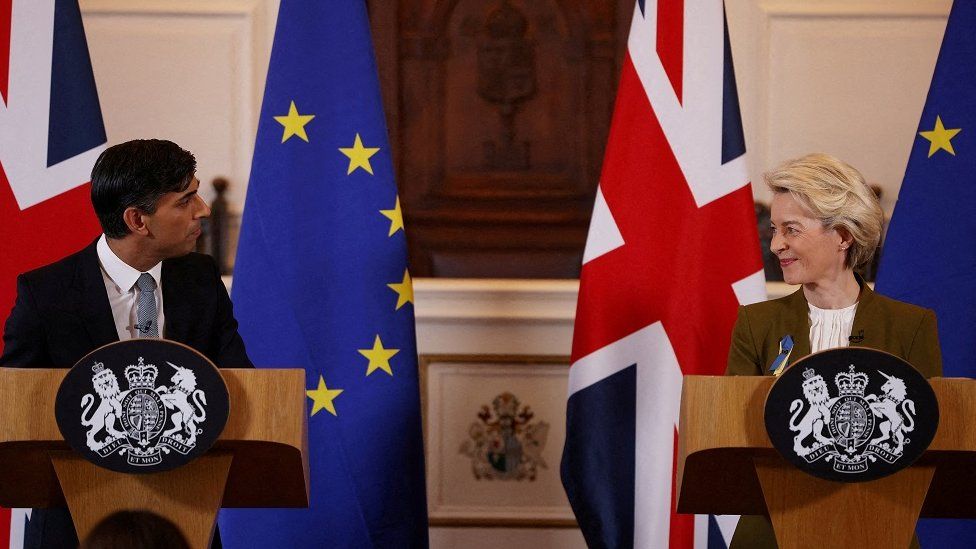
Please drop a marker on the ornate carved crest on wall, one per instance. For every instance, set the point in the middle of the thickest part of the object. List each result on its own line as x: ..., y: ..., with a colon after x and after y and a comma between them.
x: 505, y: 444
x: 499, y: 115
x: 506, y: 79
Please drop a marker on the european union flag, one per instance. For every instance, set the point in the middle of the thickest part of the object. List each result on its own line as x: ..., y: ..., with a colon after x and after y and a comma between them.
x: 930, y: 252
x: 321, y: 283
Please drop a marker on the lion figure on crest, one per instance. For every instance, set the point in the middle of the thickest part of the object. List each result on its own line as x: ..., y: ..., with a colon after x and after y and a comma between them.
x: 109, y: 408
x: 896, y: 423
x: 187, y: 415
x: 817, y: 416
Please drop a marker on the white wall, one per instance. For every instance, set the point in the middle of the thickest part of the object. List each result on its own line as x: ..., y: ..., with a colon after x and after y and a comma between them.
x: 191, y: 71
x: 844, y: 77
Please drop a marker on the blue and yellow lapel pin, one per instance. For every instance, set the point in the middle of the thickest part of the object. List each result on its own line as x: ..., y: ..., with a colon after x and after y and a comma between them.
x: 785, y: 348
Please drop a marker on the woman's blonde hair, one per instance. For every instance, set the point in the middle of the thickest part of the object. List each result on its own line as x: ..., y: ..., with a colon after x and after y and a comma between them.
x: 837, y: 195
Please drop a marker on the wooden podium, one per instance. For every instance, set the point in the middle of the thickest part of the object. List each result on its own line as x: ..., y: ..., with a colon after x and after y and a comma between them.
x: 727, y: 465
x: 260, y: 460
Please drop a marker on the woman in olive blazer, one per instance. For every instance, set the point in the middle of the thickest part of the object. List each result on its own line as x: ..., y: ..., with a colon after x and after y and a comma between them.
x: 904, y: 330
x: 826, y: 223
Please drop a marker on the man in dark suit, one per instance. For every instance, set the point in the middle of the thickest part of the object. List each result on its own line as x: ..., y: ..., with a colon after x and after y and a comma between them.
x: 139, y: 279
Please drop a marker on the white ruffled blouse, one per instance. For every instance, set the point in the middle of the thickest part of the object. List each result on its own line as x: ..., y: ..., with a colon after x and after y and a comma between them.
x: 830, y: 328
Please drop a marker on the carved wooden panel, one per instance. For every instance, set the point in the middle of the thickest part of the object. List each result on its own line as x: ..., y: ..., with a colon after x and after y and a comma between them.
x: 498, y: 113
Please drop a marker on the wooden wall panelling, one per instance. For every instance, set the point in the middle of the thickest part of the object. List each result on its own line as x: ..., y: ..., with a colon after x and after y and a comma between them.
x: 498, y: 112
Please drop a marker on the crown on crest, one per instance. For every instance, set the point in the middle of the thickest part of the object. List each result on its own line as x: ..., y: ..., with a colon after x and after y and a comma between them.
x: 141, y: 376
x: 851, y: 383
x: 101, y: 372
x: 811, y: 377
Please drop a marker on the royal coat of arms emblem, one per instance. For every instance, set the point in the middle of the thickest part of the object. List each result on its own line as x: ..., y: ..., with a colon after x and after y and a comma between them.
x: 144, y: 421
x: 840, y: 428
x: 142, y: 405
x: 880, y: 417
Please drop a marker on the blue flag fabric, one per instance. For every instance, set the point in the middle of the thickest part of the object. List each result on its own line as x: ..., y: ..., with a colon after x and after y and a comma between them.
x: 929, y: 254
x: 321, y: 283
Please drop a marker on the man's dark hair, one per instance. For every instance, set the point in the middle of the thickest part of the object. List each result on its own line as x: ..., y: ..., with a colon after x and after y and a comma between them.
x: 136, y: 174
x: 135, y: 529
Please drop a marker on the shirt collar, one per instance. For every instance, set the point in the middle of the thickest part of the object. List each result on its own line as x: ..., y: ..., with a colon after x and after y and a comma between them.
x: 845, y: 310
x: 122, y: 274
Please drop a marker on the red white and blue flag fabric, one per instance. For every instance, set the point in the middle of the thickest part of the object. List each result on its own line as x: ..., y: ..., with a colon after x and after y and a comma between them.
x: 672, y: 251
x: 51, y: 132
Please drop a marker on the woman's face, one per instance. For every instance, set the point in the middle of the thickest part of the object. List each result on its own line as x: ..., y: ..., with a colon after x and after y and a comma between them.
x: 808, y: 253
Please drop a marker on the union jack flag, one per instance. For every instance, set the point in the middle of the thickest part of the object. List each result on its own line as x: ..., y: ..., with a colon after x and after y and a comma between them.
x: 672, y: 250
x: 51, y: 132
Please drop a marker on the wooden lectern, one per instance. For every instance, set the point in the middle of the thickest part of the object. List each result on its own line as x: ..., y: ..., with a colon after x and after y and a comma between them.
x: 260, y: 460
x: 727, y: 465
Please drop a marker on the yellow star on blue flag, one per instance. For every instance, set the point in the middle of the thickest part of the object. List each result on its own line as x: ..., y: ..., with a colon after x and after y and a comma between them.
x: 379, y: 357
x: 323, y: 397
x: 940, y: 138
x: 404, y: 290
x: 359, y: 156
x: 395, y: 216
x: 294, y: 123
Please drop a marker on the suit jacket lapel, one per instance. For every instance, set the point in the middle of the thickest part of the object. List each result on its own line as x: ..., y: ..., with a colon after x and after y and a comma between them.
x: 94, y: 308
x: 798, y: 325
x: 175, y: 303
x: 866, y: 329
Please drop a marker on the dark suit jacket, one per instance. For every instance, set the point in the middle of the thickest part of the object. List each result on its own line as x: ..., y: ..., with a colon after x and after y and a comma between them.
x: 901, y: 329
x: 62, y: 313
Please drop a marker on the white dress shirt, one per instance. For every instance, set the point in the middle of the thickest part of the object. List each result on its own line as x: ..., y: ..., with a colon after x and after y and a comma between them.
x: 830, y: 328
x: 123, y: 294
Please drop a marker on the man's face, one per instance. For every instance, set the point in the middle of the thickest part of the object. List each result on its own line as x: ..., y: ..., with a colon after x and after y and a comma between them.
x: 175, y: 226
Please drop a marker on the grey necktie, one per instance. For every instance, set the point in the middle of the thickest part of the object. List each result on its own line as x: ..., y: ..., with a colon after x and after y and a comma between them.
x: 146, y: 311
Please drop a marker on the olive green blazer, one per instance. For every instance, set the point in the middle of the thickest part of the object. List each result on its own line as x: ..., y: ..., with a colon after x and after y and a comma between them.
x: 904, y: 330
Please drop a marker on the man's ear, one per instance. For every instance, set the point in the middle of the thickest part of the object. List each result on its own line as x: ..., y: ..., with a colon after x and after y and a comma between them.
x: 135, y: 220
